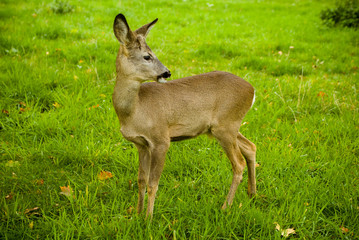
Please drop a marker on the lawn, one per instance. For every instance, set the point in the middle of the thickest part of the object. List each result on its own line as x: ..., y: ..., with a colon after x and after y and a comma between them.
x: 66, y: 172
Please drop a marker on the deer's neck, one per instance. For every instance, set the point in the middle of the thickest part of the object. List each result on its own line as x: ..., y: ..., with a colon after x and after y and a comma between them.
x: 125, y: 96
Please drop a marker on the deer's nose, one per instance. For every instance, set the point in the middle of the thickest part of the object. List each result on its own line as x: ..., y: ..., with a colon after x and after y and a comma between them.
x: 166, y: 74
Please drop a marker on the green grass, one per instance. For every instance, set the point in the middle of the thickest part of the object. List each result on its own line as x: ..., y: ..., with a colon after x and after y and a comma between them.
x: 58, y: 127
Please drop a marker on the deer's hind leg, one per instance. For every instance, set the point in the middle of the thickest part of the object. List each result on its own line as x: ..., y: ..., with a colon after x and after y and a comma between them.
x: 248, y: 150
x: 228, y: 141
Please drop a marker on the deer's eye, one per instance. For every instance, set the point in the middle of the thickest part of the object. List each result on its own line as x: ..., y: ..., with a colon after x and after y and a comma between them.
x: 147, y: 57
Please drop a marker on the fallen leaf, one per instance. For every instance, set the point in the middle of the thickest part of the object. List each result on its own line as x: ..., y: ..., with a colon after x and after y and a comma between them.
x: 344, y: 229
x: 321, y: 94
x: 103, y: 175
x: 257, y: 165
x: 39, y: 181
x: 67, y: 191
x: 24, y: 109
x: 5, y: 111
x: 33, y: 212
x: 284, y: 232
x: 56, y: 105
x: 287, y: 232
x: 94, y: 106
x: 9, y: 196
x: 277, y: 226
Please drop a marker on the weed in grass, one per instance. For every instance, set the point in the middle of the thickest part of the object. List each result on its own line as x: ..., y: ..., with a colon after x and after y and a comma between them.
x: 61, y: 7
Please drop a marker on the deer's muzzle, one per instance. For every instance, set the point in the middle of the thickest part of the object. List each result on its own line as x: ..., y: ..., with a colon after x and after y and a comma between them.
x: 161, y: 78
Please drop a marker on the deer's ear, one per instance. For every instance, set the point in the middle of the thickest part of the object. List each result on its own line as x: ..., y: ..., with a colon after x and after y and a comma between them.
x: 144, y: 30
x: 121, y: 29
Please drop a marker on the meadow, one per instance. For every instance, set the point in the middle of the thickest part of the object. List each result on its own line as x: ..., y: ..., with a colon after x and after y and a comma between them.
x: 66, y: 172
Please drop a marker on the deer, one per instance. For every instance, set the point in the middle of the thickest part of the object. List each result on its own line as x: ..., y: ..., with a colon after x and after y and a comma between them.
x: 154, y: 112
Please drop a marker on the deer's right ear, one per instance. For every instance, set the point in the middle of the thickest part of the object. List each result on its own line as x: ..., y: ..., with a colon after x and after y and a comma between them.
x: 121, y: 29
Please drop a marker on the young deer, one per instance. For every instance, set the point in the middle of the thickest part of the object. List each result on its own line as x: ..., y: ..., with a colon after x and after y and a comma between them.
x: 153, y: 114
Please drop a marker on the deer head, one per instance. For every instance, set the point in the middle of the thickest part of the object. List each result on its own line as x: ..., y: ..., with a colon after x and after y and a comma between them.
x: 135, y: 57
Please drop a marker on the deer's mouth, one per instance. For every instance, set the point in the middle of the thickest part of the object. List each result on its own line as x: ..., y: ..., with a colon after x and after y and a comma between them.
x: 162, y: 78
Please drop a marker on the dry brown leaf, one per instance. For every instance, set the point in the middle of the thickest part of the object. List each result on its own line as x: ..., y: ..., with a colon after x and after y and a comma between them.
x: 56, y: 105
x: 277, y: 226
x: 39, y: 181
x: 321, y: 94
x: 284, y: 232
x: 33, y: 212
x: 103, y: 175
x: 67, y: 191
x: 344, y: 229
x: 94, y: 106
x: 9, y: 196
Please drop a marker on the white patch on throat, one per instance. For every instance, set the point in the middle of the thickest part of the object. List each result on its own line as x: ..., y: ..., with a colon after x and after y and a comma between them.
x: 162, y: 80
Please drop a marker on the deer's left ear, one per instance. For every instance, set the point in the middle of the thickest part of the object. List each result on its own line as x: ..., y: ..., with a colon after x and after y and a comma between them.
x: 144, y: 30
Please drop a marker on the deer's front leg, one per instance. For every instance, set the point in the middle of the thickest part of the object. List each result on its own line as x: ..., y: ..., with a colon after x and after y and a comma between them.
x: 143, y: 174
x: 158, y: 156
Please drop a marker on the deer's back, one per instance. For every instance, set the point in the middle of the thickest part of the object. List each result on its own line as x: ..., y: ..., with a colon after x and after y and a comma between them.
x: 213, y: 91
x: 195, y: 104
